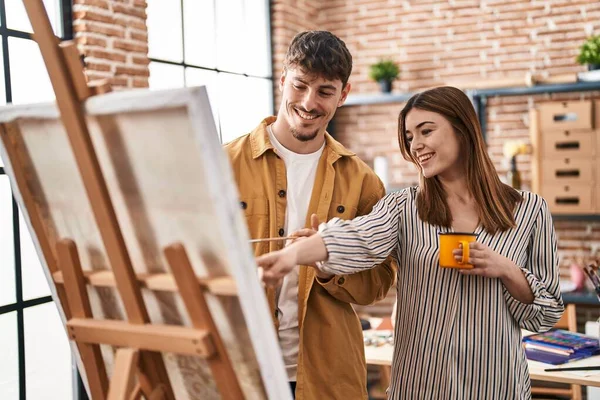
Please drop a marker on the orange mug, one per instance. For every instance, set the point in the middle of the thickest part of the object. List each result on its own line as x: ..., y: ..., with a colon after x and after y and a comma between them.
x: 450, y: 241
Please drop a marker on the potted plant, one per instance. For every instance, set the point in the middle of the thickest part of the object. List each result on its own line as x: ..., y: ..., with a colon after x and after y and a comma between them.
x: 589, y: 53
x: 384, y: 72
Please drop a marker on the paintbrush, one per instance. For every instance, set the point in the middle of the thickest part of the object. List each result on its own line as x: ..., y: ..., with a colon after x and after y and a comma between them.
x: 273, y: 239
x: 586, y: 368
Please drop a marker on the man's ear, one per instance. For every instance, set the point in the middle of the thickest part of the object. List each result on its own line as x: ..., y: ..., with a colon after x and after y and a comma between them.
x: 282, y: 80
x: 345, y: 92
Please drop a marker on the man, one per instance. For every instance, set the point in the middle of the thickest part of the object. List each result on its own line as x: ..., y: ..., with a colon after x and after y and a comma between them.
x: 288, y: 169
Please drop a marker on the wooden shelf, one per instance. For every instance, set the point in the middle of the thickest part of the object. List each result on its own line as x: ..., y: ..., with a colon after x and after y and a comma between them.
x: 377, y: 98
x: 397, y: 97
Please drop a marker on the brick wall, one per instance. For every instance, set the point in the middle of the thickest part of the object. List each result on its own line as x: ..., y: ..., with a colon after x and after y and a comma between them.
x: 441, y: 42
x: 435, y: 42
x: 113, y: 39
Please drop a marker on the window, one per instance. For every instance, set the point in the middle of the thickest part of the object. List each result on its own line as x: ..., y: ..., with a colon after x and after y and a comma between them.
x: 222, y: 44
x: 35, y: 361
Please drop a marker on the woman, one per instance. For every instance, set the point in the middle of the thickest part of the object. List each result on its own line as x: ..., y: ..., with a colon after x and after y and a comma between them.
x: 457, y: 332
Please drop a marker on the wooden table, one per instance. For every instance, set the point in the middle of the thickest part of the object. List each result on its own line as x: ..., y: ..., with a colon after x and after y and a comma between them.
x: 382, y: 355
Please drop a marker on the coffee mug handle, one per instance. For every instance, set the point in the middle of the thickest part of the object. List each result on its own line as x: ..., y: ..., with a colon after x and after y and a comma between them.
x: 465, y: 252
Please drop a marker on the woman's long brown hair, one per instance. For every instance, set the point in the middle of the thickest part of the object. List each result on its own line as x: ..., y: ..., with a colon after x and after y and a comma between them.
x: 496, y: 201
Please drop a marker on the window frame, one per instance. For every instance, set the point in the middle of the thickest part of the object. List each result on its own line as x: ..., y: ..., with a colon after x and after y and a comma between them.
x: 20, y: 305
x: 186, y: 65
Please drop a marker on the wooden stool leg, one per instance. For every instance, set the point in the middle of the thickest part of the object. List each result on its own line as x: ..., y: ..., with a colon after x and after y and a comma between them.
x: 576, y: 391
x: 122, y: 383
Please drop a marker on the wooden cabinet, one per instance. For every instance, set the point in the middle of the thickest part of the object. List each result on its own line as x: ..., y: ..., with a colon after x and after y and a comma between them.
x: 566, y: 159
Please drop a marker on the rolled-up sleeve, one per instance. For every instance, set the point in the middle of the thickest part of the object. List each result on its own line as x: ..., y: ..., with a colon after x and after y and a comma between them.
x: 542, y: 274
x: 366, y: 241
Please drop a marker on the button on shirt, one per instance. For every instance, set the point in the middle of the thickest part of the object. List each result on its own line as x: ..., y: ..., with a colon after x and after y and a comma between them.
x: 301, y: 170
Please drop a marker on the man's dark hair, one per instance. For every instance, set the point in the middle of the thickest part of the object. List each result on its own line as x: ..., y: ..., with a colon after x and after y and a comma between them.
x: 320, y: 52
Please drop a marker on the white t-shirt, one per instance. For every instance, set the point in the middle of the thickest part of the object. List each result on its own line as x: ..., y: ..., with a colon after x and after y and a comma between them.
x: 301, y: 170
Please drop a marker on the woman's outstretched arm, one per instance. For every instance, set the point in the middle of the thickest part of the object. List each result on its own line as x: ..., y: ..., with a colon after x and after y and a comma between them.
x: 348, y: 247
x: 305, y: 251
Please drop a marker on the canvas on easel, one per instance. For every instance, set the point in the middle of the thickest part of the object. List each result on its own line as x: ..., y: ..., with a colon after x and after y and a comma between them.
x: 133, y: 210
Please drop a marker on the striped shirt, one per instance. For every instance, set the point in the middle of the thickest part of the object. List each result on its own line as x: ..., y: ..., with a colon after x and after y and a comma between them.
x: 456, y: 336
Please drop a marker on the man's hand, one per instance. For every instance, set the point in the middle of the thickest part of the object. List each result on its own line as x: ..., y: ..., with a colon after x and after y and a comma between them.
x: 307, y: 232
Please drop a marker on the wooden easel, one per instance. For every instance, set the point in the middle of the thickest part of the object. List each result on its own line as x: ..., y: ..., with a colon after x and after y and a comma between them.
x: 139, y: 370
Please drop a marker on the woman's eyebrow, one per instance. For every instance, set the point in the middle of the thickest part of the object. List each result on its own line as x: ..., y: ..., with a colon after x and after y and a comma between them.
x: 425, y: 122
x: 420, y: 125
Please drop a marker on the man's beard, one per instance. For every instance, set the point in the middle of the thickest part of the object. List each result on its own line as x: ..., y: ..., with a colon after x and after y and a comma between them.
x: 304, y: 137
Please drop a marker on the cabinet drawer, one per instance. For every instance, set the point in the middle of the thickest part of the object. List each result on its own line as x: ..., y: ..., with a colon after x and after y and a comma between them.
x: 569, y: 199
x: 566, y: 116
x: 568, y: 170
x: 568, y: 144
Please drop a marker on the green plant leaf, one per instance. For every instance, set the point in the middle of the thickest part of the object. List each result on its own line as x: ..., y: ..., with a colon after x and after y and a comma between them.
x: 385, y: 70
x: 589, y: 52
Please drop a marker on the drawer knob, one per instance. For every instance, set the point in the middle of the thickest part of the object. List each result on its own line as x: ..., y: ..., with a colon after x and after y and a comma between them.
x: 565, y: 117
x: 567, y: 201
x: 567, y: 173
x: 566, y: 145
